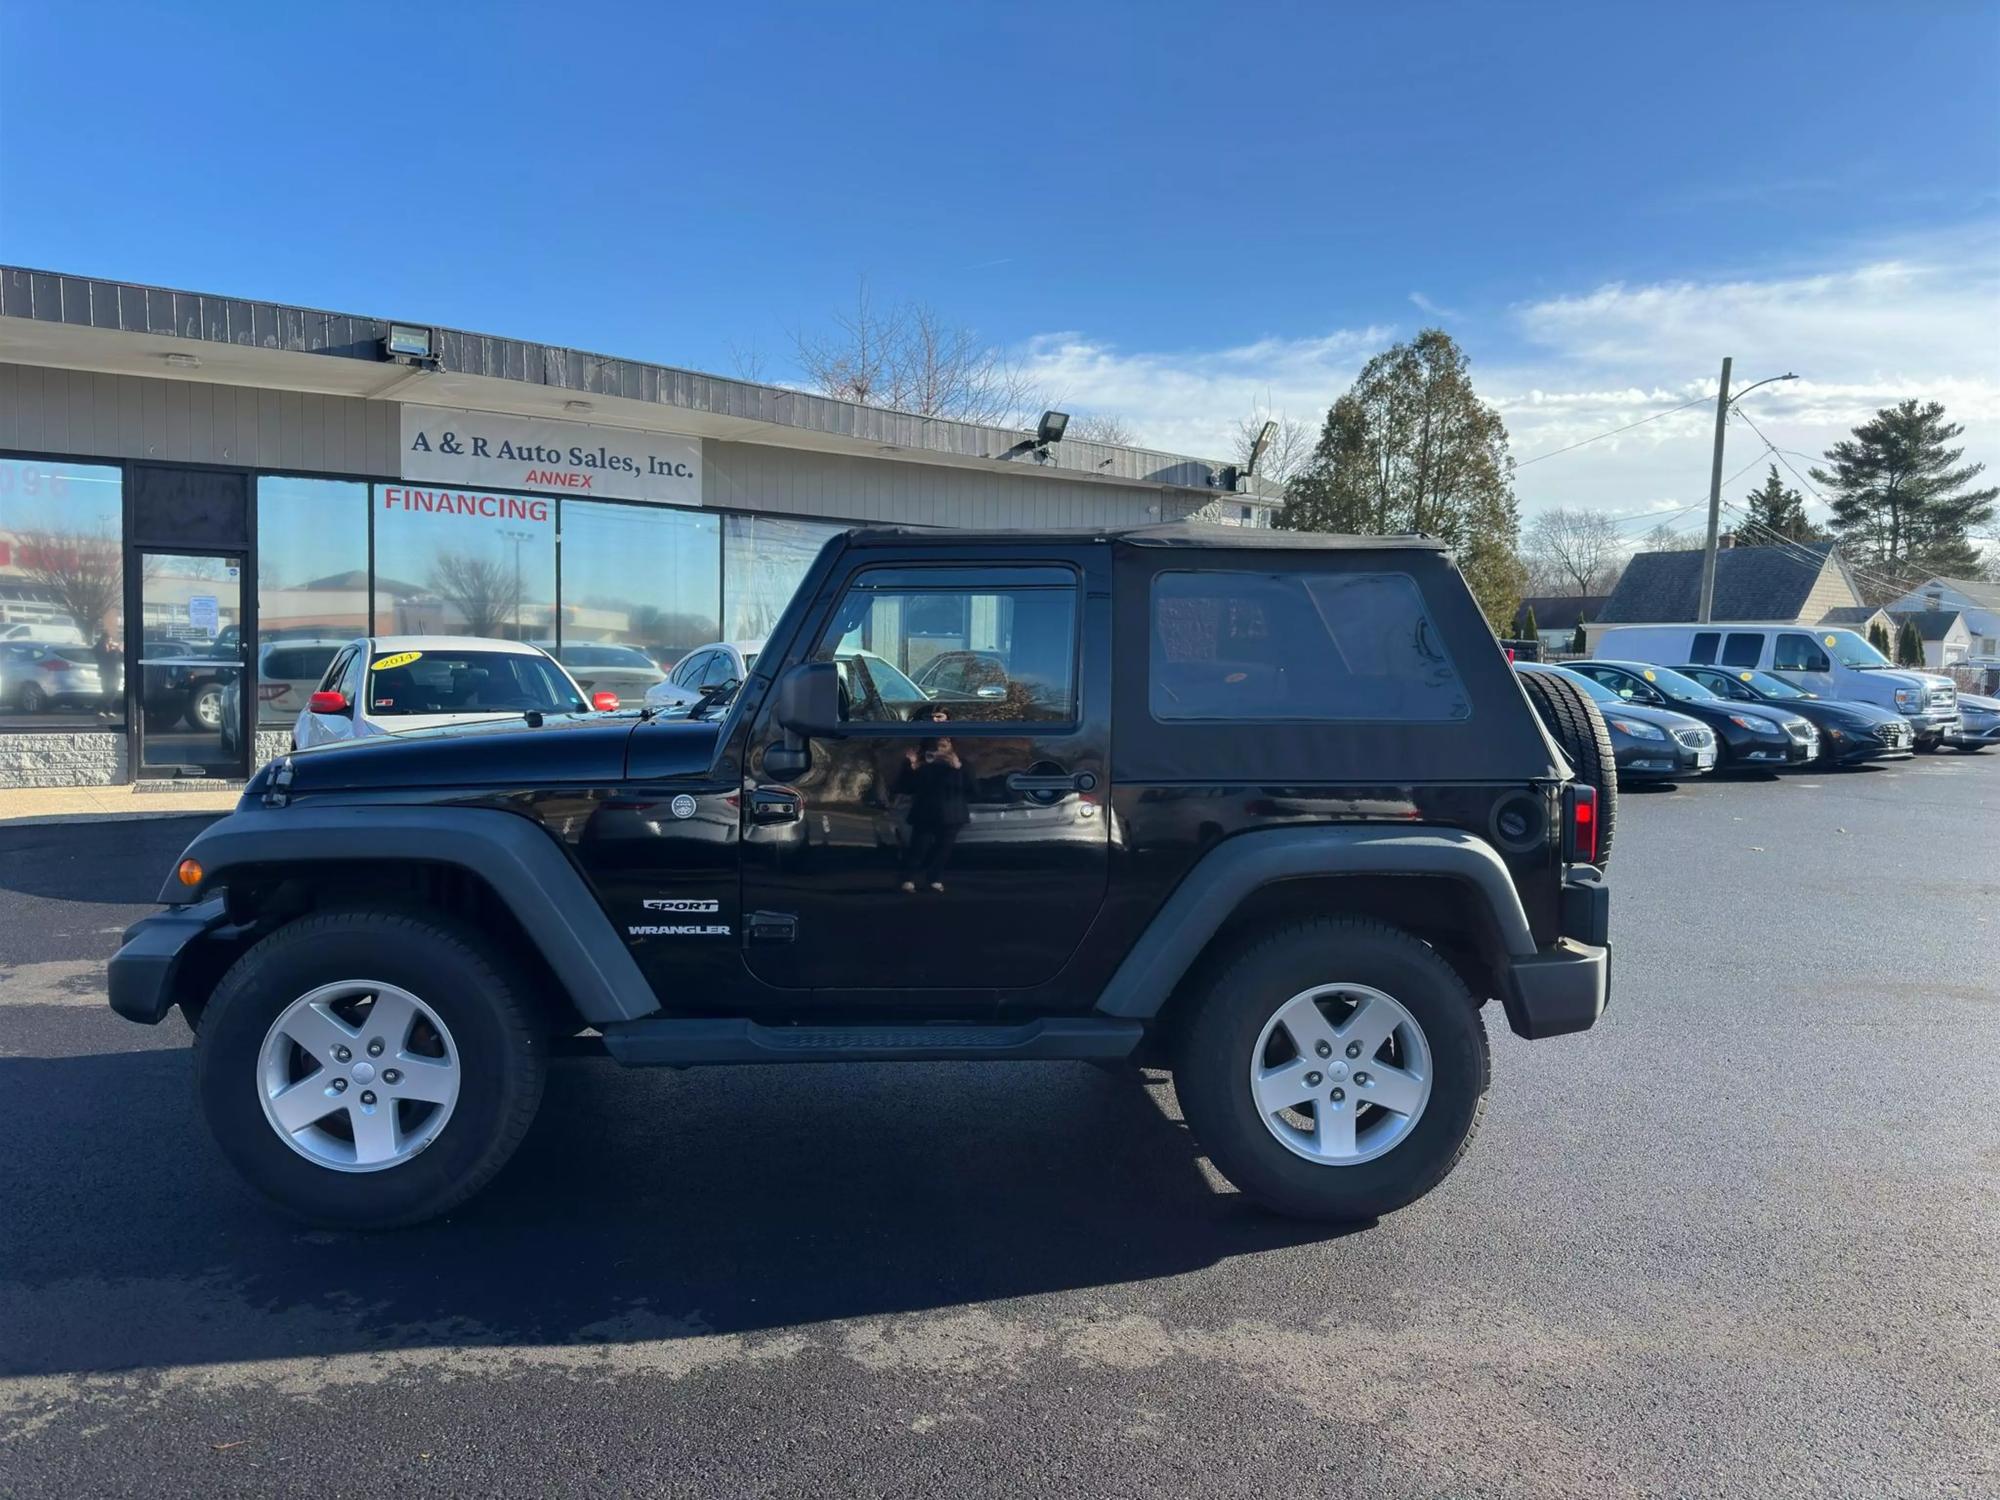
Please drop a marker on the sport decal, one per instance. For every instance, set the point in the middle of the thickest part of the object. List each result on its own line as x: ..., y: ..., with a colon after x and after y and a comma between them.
x: 692, y: 907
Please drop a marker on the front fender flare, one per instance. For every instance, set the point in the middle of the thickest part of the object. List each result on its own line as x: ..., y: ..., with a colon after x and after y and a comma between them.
x: 523, y: 865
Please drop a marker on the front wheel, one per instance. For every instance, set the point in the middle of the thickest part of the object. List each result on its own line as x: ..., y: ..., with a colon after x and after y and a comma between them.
x: 205, y: 708
x: 368, y: 1069
x: 1336, y: 1070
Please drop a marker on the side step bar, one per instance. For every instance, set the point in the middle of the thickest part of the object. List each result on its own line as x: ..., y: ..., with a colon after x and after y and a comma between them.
x: 685, y: 1043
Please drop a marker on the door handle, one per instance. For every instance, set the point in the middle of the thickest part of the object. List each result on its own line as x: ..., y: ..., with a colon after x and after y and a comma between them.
x: 774, y: 804
x: 1082, y: 781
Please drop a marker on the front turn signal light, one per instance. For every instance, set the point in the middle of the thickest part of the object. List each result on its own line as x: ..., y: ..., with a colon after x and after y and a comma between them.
x: 189, y: 873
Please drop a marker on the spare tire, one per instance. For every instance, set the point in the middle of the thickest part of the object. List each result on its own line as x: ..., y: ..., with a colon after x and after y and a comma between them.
x: 1572, y: 717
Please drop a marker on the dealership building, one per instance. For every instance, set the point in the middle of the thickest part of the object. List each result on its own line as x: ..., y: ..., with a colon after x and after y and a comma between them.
x: 202, y: 497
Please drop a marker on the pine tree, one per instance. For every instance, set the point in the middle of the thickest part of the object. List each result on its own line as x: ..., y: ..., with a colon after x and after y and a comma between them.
x: 1878, y: 637
x: 1411, y: 447
x: 1529, y: 630
x: 1775, y: 511
x: 1909, y: 646
x: 1902, y: 502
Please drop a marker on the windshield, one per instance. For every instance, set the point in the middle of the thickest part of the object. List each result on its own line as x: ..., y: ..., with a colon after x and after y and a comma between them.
x: 1773, y: 687
x: 407, y: 683
x: 1851, y: 650
x: 1673, y: 684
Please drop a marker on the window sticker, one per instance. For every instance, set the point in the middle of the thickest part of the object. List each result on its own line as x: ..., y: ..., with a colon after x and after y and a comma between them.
x: 1745, y: 676
x: 400, y: 659
x: 1830, y: 640
x: 1649, y: 675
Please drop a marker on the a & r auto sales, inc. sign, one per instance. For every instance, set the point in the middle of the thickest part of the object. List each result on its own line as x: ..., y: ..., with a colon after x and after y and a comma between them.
x: 488, y: 450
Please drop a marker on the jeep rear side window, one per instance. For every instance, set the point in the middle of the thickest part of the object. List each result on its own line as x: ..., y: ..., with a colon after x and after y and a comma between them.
x: 1742, y: 650
x: 988, y: 645
x: 1299, y: 646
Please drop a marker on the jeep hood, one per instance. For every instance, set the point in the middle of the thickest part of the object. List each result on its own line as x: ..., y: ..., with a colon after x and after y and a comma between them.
x: 568, y: 749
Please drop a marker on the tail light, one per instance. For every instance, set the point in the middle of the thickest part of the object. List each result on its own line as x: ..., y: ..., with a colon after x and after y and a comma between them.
x: 57, y: 664
x: 1510, y: 653
x: 1580, y: 823
x: 271, y: 692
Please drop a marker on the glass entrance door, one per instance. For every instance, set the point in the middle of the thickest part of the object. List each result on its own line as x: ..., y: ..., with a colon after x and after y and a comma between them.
x: 192, y: 713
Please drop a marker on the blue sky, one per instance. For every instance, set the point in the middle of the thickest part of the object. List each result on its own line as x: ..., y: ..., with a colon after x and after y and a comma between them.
x: 1172, y: 212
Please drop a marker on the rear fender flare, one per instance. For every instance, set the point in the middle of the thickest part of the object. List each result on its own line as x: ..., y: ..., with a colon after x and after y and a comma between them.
x: 1239, y: 866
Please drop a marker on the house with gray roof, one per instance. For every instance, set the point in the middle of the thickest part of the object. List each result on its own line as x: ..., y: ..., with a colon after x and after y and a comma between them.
x: 1796, y: 584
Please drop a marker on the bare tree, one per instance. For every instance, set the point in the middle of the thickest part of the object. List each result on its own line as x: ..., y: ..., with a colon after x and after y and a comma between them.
x: 910, y: 359
x: 486, y: 591
x: 1576, y: 552
x: 1102, y: 427
x: 1663, y: 538
x: 1291, y: 447
x: 83, y: 570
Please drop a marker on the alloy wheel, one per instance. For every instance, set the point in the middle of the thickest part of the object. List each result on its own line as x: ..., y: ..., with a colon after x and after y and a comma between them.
x: 1341, y: 1074
x: 358, y: 1075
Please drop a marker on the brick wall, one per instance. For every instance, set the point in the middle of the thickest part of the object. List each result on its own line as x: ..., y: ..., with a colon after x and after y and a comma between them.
x: 62, y: 759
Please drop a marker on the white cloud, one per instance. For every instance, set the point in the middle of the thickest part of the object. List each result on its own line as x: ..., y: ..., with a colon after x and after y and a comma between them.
x: 1191, y: 401
x: 1424, y: 304
x: 1921, y: 318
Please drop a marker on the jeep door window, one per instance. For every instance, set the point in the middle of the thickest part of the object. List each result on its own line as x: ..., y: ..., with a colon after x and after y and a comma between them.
x: 1742, y: 649
x: 1299, y: 646
x: 1017, y: 624
x: 1798, y: 653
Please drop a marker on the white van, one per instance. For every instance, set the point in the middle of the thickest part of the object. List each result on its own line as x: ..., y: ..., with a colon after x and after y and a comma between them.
x: 1831, y: 663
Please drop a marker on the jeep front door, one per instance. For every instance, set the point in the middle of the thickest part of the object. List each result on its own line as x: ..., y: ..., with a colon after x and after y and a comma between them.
x: 946, y: 839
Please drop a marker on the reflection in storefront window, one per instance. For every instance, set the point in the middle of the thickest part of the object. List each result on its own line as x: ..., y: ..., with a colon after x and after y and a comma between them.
x: 62, y: 595
x: 763, y: 559
x: 312, y: 585
x: 464, y: 562
x: 641, y: 584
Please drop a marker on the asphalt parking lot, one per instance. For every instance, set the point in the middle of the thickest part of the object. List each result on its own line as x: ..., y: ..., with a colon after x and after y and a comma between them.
x: 1739, y: 1240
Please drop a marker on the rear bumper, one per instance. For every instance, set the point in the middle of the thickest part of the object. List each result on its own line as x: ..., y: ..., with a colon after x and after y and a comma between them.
x: 1566, y: 986
x: 142, y: 973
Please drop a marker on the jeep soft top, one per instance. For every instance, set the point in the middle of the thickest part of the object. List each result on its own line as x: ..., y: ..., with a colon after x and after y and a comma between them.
x: 1268, y: 809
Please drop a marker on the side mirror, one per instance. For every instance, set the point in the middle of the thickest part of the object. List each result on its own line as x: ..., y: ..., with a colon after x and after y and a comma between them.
x: 328, y: 702
x: 808, y: 700
x: 604, y: 703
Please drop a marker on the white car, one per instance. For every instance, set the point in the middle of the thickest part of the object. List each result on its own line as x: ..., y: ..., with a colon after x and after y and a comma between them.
x: 722, y: 662
x: 703, y: 668
x: 607, y: 666
x: 288, y: 670
x: 391, y: 684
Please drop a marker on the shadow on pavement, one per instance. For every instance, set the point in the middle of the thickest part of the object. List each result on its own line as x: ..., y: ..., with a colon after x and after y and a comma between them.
x: 642, y: 1205
x: 121, y: 862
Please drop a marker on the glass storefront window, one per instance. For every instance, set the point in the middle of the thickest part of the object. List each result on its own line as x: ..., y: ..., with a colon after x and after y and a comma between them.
x: 464, y: 562
x: 641, y: 585
x: 763, y: 559
x: 62, y: 595
x: 312, y: 586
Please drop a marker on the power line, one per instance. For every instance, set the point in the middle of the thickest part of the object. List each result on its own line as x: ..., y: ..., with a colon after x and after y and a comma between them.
x: 1775, y: 449
x: 1793, y: 547
x: 1613, y: 432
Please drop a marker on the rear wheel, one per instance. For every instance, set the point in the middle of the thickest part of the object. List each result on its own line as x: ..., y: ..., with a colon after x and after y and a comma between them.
x: 31, y: 698
x: 368, y: 1069
x: 205, y: 707
x: 1579, y: 729
x: 1336, y: 1070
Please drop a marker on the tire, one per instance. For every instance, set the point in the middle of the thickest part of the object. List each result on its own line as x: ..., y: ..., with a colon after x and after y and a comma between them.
x: 32, y: 699
x: 1573, y: 718
x: 1237, y: 1005
x: 204, y: 710
x: 493, y: 1036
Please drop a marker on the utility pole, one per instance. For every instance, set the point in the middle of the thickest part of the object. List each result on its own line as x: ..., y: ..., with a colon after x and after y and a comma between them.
x: 1707, y: 604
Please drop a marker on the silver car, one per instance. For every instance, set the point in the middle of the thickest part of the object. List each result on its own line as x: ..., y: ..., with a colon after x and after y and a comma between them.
x: 38, y: 675
x: 608, y: 667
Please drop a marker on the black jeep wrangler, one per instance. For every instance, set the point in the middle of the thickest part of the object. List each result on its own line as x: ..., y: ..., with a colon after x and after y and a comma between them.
x: 1266, y: 809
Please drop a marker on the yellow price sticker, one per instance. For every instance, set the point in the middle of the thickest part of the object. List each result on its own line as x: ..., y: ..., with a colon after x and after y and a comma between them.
x: 400, y: 659
x: 1650, y: 677
x: 1743, y: 676
x: 1830, y: 640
